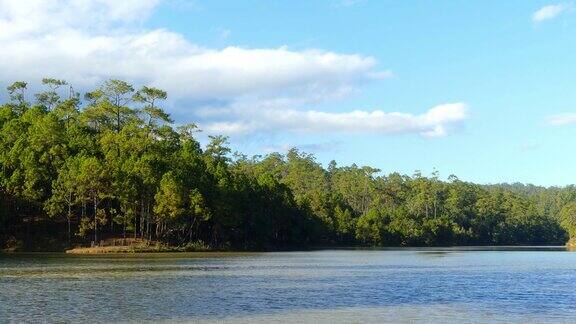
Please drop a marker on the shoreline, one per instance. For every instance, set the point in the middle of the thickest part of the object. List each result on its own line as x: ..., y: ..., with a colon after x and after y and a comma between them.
x: 157, y: 247
x: 169, y: 249
x: 154, y: 248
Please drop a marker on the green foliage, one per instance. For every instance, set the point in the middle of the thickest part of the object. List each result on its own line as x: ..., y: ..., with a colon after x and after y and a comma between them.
x: 568, y: 218
x: 197, y: 246
x: 17, y: 91
x: 114, y: 164
x: 371, y: 227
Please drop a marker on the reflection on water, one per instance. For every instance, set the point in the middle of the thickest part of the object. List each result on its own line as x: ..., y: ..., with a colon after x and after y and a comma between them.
x: 437, y: 285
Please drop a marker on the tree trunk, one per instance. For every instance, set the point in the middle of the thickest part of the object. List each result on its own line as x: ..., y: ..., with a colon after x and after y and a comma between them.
x: 95, y: 221
x: 69, y: 225
x: 141, y: 217
x: 148, y: 222
x: 192, y: 225
x: 117, y: 119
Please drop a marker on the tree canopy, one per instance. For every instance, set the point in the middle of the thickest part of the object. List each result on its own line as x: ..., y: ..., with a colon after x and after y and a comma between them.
x: 77, y: 169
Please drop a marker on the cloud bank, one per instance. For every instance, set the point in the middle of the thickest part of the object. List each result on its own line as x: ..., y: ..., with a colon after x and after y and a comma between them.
x: 88, y: 41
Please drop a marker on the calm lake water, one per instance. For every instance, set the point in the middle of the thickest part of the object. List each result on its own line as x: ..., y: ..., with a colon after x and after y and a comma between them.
x: 428, y: 285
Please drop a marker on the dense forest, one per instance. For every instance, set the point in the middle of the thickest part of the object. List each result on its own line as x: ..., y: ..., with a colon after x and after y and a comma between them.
x: 111, y: 163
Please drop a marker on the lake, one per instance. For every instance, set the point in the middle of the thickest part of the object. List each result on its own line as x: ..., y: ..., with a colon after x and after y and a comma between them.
x: 397, y: 285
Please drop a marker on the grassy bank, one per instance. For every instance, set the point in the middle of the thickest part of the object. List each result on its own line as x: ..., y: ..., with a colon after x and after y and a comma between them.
x: 141, y: 246
x: 121, y: 249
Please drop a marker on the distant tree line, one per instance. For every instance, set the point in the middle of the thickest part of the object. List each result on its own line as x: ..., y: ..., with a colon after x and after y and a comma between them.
x: 76, y: 169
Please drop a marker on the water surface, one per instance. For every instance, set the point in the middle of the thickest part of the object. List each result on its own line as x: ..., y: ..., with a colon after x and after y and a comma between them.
x: 429, y: 285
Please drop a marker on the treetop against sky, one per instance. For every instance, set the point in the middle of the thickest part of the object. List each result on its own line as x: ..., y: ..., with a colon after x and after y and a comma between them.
x: 114, y: 164
x: 479, y: 89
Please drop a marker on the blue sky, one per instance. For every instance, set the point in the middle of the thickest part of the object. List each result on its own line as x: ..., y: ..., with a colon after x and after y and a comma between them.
x: 480, y: 89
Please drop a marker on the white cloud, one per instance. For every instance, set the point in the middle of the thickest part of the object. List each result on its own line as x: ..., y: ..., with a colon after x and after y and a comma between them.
x: 19, y: 19
x: 550, y: 11
x: 436, y: 122
x: 562, y: 119
x: 86, y: 42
